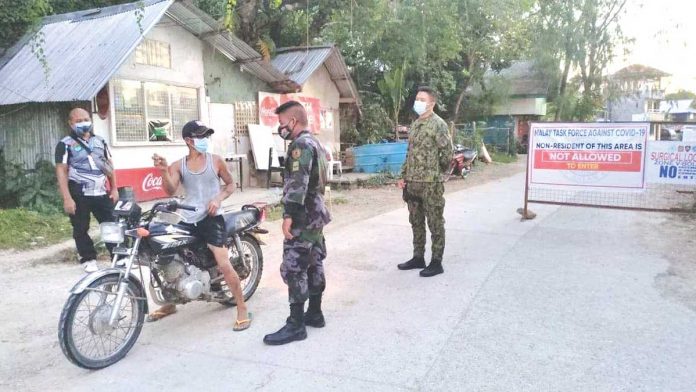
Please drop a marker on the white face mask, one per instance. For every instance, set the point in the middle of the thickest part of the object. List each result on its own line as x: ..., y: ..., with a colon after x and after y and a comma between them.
x: 419, y: 107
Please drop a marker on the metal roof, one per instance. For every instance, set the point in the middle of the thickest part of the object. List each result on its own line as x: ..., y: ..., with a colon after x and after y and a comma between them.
x: 82, y: 49
x: 85, y: 49
x: 301, y: 63
x: 209, y: 30
x: 678, y: 106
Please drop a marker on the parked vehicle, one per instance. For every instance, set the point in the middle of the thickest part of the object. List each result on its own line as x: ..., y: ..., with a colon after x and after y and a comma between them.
x: 462, y: 161
x: 103, y: 317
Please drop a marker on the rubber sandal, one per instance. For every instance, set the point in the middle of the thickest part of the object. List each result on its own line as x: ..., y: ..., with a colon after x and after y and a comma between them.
x: 158, y: 315
x: 241, y: 325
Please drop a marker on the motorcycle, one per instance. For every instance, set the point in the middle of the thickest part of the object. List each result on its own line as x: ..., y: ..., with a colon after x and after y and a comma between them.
x: 103, y: 316
x: 462, y: 161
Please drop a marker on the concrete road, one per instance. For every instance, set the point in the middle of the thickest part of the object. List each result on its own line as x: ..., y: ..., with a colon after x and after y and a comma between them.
x: 566, y: 302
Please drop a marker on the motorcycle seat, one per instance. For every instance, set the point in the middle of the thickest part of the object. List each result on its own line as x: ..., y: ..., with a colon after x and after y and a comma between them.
x: 239, y: 220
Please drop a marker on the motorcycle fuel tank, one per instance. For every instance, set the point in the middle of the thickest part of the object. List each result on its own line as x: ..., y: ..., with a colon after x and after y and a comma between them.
x: 166, y: 237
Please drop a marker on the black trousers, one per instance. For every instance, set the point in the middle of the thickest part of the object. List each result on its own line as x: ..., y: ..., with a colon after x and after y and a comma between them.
x: 103, y: 210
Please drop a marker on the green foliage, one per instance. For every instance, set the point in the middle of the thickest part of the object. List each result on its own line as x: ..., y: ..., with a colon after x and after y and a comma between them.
x: 374, y: 124
x: 681, y: 94
x: 24, y: 229
x: 393, y: 89
x: 576, y: 35
x: 18, y: 17
x: 34, y: 189
x: 379, y: 180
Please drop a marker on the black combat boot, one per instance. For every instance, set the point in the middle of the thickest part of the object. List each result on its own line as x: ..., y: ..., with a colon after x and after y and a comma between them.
x: 435, y: 268
x: 293, y: 330
x: 314, y: 316
x: 414, y: 263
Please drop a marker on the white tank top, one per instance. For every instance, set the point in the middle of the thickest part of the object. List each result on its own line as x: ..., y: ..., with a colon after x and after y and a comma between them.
x: 200, y: 189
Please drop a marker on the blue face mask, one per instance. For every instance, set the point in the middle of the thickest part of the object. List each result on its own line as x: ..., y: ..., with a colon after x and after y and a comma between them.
x: 82, y: 127
x: 201, y: 145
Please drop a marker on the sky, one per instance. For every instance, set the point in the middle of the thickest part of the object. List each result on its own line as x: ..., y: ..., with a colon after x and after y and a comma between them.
x: 665, y: 38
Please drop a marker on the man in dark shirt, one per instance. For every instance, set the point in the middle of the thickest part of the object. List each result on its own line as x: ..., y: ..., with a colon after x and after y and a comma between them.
x: 82, y: 182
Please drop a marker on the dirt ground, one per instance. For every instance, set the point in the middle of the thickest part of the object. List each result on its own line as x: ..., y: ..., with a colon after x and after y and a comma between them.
x: 363, y: 203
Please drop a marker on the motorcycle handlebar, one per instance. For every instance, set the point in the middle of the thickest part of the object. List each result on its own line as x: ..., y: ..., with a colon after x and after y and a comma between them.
x: 172, y: 206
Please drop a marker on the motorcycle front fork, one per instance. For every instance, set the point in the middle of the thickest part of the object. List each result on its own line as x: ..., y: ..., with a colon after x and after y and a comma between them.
x: 123, y: 282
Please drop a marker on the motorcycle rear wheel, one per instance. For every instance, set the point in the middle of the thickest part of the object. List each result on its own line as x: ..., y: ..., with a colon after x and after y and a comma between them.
x: 83, y: 331
x: 252, y: 251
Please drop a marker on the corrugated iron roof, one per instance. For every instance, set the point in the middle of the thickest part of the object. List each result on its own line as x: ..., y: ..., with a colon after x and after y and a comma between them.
x: 678, y: 106
x: 84, y: 49
x: 209, y: 30
x: 302, y: 62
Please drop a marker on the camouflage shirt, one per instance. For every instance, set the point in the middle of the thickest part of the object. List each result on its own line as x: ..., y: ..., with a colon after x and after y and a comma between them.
x: 429, y: 151
x: 304, y: 179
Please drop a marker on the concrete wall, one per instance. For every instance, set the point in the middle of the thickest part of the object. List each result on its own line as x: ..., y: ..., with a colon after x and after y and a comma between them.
x: 321, y: 86
x: 625, y: 108
x: 521, y: 106
x: 187, y: 70
x: 225, y: 82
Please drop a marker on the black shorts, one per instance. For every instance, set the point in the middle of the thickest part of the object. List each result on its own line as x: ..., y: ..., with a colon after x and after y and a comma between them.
x: 211, y: 230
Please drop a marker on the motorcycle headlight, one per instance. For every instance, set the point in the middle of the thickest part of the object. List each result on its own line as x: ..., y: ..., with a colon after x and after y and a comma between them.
x: 112, y: 232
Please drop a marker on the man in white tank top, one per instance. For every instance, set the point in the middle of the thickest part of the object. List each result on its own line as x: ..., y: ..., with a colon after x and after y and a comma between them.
x: 200, y: 173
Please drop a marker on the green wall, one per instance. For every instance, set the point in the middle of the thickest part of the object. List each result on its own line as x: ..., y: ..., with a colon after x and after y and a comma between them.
x: 224, y: 81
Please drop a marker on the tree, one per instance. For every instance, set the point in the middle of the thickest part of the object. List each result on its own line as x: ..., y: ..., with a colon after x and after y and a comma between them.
x: 578, y: 35
x: 16, y: 18
x: 393, y: 89
x: 681, y: 94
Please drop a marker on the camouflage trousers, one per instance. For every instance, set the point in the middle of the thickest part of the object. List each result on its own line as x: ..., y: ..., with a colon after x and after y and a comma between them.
x: 426, y: 201
x: 303, y: 268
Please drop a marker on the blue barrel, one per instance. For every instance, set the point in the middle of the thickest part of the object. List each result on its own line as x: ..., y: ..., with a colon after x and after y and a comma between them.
x: 379, y: 158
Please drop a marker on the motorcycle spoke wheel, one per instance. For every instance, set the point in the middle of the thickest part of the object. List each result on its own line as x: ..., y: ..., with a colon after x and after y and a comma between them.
x: 254, y: 259
x: 85, y: 334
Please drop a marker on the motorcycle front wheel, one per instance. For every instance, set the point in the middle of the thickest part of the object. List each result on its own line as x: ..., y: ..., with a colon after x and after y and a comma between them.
x: 86, y: 337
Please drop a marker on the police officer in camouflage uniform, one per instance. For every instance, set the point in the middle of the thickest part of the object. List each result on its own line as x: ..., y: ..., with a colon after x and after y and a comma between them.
x: 423, y: 176
x: 304, y: 218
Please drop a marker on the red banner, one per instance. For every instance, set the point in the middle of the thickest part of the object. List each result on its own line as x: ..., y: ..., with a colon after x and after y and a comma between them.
x: 617, y: 161
x: 146, y: 182
x: 269, y: 102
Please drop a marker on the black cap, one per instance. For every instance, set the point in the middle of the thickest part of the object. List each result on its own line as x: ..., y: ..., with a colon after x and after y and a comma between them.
x: 196, y: 128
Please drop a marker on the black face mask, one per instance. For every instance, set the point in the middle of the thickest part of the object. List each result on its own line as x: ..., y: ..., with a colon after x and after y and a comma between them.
x: 285, y: 131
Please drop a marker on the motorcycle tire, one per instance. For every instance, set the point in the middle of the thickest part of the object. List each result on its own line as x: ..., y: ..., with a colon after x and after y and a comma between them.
x: 250, y: 243
x: 67, y: 322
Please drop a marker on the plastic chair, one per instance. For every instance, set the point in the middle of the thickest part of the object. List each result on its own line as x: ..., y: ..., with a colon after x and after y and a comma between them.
x: 331, y: 164
x: 272, y: 168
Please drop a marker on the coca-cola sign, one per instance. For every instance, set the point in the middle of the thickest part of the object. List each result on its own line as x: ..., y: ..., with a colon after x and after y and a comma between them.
x: 267, y: 107
x: 146, y: 182
x: 151, y: 182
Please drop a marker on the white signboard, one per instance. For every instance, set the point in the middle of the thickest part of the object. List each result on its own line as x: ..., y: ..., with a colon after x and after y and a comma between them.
x: 671, y: 163
x: 261, y: 140
x: 594, y: 155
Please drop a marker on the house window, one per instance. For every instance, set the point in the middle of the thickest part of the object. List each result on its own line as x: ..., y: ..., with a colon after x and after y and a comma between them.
x: 152, y: 112
x: 155, y: 53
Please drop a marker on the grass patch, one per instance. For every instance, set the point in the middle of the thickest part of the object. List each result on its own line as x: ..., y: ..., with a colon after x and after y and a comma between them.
x: 502, y: 157
x: 23, y: 229
x: 378, y: 180
x: 339, y: 200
